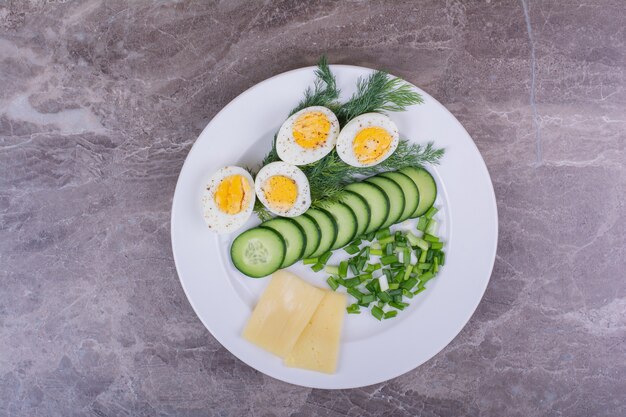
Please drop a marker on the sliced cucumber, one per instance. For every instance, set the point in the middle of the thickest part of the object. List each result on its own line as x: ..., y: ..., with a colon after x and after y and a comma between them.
x: 376, y: 200
x: 395, y: 196
x: 311, y: 231
x: 328, y: 229
x: 411, y: 193
x: 346, y: 223
x: 426, y: 186
x: 258, y: 252
x: 293, y: 235
x: 360, y: 208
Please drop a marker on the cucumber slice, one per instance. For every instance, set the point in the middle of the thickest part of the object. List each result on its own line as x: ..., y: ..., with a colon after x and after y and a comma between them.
x: 327, y: 226
x: 293, y: 235
x: 258, y: 252
x: 346, y: 223
x: 311, y: 231
x: 426, y: 186
x: 411, y: 193
x: 395, y: 196
x: 376, y: 200
x: 360, y: 208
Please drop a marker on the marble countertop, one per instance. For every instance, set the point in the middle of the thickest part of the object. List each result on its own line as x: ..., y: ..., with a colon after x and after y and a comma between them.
x: 101, y: 101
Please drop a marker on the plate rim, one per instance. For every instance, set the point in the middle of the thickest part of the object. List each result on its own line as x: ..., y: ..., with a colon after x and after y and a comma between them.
x: 491, y: 201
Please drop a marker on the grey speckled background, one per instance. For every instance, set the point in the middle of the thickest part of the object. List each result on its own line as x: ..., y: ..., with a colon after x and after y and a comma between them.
x: 101, y: 100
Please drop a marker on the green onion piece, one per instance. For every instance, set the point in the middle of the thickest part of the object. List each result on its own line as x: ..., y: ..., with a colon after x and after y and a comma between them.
x: 393, y: 293
x: 431, y: 212
x: 442, y: 260
x: 407, y: 293
x: 407, y: 272
x: 353, y: 268
x: 389, y: 249
x: 383, y: 233
x: 370, y: 236
x: 424, y: 266
x: 409, y: 284
x: 331, y: 269
x: 355, y: 293
x: 422, y: 244
x: 422, y: 258
x: 436, y: 245
x: 325, y: 257
x: 390, y: 314
x: 310, y: 261
x: 399, y: 236
x: 394, y: 286
x: 356, y: 242
x: 400, y: 245
x: 343, y: 269
x: 429, y: 256
x: 365, y: 277
x: 351, y: 249
x: 432, y: 227
x: 398, y: 305
x: 406, y: 257
x: 397, y: 298
x: 372, y: 267
x: 422, y: 223
x: 361, y: 264
x: 368, y: 298
x: 380, y: 304
x: 389, y: 259
x: 399, y: 276
x: 340, y: 281
x: 376, y: 252
x: 388, y: 274
x: 375, y: 245
x: 384, y: 296
x: 332, y: 283
x: 353, y: 309
x: 351, y: 282
x: 412, y: 239
x: 317, y: 267
x: 370, y: 286
x: 377, y: 312
x: 431, y: 238
x: 436, y: 264
x: 419, y: 290
x: 426, y: 277
x: 387, y: 240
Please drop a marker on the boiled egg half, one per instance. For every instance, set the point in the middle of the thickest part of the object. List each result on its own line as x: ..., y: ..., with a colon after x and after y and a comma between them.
x: 283, y: 188
x: 307, y: 136
x: 228, y: 199
x: 367, y: 140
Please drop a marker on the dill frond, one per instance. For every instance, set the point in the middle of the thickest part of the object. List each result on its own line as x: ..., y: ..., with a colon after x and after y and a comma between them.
x: 378, y: 93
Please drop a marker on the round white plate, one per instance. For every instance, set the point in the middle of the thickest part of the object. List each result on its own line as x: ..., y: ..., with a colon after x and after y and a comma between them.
x: 371, y: 351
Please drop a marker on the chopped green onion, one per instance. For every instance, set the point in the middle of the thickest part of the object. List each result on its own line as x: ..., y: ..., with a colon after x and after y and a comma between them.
x: 355, y: 293
x: 368, y: 298
x: 432, y: 227
x: 351, y: 249
x: 412, y: 238
x: 436, y: 245
x: 442, y: 259
x: 390, y: 314
x: 383, y: 283
x: 435, y: 265
x: 431, y: 212
x: 422, y: 223
x: 331, y: 269
x: 351, y: 282
x: 393, y: 293
x: 422, y: 244
x: 380, y: 304
x: 325, y: 257
x: 309, y: 261
x: 376, y: 252
x: 409, y: 284
x: 407, y: 293
x: 431, y: 238
x: 423, y: 266
x: 355, y: 242
x: 423, y: 256
x: 377, y: 312
x: 397, y: 298
x: 407, y: 272
x: 389, y: 249
x: 317, y: 267
x: 353, y: 309
x: 373, y: 267
x: 340, y: 281
x: 426, y: 277
x: 370, y: 286
x: 384, y: 296
x: 361, y: 264
x: 370, y: 236
x: 394, y: 286
x: 353, y: 268
x: 365, y: 277
x: 387, y: 240
x: 406, y: 257
x: 343, y: 269
x: 429, y: 256
x: 419, y: 290
x: 400, y: 245
x: 398, y: 305
x: 383, y: 233
x: 389, y: 259
x: 375, y: 245
x: 332, y: 283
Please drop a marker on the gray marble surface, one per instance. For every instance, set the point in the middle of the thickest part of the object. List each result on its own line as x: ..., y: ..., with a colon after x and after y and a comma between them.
x: 100, y: 102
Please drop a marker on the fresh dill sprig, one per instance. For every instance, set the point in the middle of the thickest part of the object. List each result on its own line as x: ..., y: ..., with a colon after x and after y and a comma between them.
x: 328, y: 176
x: 378, y: 93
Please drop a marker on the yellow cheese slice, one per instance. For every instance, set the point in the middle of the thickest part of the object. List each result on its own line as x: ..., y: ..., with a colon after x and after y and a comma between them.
x: 282, y: 313
x: 317, y: 348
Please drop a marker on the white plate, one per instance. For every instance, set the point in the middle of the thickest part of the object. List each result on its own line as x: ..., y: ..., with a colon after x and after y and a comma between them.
x: 371, y: 351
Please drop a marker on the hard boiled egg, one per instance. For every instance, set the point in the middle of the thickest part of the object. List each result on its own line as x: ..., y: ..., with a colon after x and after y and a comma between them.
x: 228, y: 199
x: 367, y: 140
x: 307, y: 136
x: 283, y: 189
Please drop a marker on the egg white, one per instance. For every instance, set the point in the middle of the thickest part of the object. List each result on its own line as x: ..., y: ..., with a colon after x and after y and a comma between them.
x: 288, y: 149
x: 217, y: 220
x: 354, y: 126
x: 303, y: 199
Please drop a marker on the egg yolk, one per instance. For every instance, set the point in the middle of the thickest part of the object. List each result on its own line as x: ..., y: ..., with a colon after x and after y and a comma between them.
x: 371, y: 144
x: 280, y: 192
x: 232, y: 194
x: 310, y: 130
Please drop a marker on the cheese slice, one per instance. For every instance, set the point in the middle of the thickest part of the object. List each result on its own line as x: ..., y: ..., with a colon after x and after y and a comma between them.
x: 282, y: 313
x: 317, y: 348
